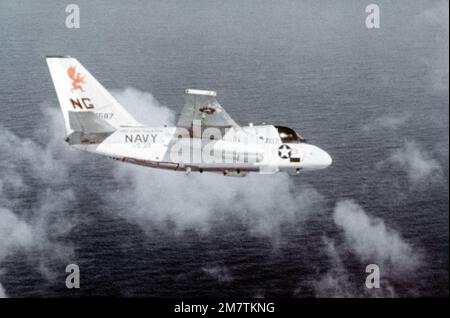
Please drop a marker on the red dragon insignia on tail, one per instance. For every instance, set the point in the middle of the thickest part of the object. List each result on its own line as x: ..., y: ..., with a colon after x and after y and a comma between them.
x: 76, y: 78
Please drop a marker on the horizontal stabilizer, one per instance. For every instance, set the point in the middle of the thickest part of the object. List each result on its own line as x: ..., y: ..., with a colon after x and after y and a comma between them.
x: 88, y: 122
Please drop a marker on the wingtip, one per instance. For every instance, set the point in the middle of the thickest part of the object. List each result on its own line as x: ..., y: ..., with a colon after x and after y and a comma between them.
x: 57, y: 56
x: 191, y: 91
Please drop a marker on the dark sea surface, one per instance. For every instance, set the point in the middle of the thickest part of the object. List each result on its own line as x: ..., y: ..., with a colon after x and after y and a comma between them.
x: 375, y: 99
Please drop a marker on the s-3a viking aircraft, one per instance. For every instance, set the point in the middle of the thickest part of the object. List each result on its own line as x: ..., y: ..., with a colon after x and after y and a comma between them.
x: 205, y: 139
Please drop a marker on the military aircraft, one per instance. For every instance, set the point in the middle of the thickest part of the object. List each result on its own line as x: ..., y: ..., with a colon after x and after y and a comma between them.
x: 205, y: 139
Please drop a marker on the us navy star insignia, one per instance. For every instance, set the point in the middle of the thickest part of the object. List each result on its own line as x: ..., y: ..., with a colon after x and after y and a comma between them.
x: 284, y: 151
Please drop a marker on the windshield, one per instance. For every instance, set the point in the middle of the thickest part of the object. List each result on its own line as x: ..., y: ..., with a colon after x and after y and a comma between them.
x: 288, y: 135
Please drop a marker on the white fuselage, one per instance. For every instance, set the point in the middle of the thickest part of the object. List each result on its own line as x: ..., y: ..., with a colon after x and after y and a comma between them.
x: 239, y: 151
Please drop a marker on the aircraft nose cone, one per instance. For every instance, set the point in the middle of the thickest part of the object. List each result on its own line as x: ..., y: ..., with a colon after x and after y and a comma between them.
x: 320, y: 159
x: 325, y: 159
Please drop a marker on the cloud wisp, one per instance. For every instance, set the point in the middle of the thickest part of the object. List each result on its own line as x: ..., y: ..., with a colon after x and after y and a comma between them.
x: 391, y: 122
x: 38, y: 172
x: 437, y: 16
x: 418, y: 164
x: 369, y: 241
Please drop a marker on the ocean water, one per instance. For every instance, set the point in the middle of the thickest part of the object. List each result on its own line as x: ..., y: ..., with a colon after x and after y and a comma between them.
x: 375, y: 99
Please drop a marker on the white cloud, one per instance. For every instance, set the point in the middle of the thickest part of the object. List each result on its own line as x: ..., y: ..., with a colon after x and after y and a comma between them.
x: 418, y: 164
x: 437, y: 63
x: 159, y: 198
x: 14, y: 233
x: 27, y: 166
x: 144, y: 107
x: 341, y: 282
x: 390, y: 122
x: 336, y: 282
x: 371, y: 240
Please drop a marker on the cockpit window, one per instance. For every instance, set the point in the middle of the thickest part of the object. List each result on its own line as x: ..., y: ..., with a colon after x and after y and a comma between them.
x: 288, y: 135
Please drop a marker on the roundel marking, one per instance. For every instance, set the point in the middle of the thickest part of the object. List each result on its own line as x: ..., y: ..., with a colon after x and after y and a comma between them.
x: 284, y: 152
x: 207, y: 110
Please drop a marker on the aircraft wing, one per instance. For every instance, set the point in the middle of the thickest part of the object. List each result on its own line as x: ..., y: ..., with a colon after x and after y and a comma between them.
x: 203, y: 107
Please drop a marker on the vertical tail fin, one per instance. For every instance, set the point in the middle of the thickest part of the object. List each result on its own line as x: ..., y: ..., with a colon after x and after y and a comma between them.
x: 79, y: 91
